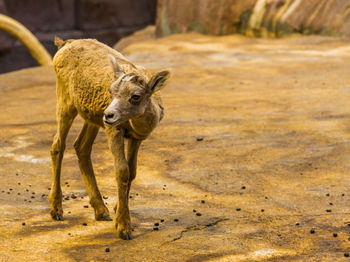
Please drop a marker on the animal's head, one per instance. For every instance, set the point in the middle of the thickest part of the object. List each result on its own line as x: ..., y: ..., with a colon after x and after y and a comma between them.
x: 131, y: 94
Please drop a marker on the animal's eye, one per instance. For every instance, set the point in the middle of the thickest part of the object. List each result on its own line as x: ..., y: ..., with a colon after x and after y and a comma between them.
x: 135, y: 97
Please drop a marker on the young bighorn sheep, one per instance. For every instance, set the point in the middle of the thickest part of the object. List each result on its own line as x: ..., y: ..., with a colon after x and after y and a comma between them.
x: 107, y: 90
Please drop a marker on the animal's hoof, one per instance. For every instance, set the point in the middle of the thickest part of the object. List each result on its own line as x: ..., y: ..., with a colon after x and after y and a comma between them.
x: 124, y: 235
x: 102, y: 215
x: 57, y: 217
x: 104, y: 218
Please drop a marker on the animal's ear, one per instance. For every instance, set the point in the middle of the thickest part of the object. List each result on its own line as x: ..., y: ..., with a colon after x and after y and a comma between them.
x: 116, y: 68
x: 158, y: 81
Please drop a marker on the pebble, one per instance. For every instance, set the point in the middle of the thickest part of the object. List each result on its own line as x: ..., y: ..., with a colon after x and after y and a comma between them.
x: 198, y: 214
x: 107, y: 249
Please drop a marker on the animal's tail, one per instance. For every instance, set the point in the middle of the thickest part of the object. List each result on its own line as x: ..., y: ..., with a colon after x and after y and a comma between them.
x: 20, y: 32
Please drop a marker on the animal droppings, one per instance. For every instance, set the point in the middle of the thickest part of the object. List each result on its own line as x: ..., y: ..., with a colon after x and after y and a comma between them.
x: 329, y: 210
x: 238, y: 209
x: 84, y: 224
x: 162, y: 220
x: 130, y: 196
x: 243, y: 187
x: 107, y: 249
x: 312, y: 231
x: 176, y: 220
x: 335, y: 234
x: 342, y: 195
x: 156, y: 224
x: 105, y: 197
x: 155, y: 228
x: 202, y: 201
x: 194, y: 211
x: 23, y: 223
x: 297, y: 224
x: 32, y: 196
x: 199, y: 139
x: 262, y: 210
x: 198, y: 214
x: 346, y: 254
x: 86, y: 206
x: 73, y: 196
x: 331, y: 204
x: 328, y: 194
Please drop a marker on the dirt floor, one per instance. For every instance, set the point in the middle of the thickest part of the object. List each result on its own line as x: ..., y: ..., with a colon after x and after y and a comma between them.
x: 255, y: 138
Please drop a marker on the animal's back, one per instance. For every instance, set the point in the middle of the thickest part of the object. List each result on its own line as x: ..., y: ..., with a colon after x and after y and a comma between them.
x: 85, y: 73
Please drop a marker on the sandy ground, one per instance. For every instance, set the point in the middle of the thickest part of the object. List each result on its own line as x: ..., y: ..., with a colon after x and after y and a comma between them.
x: 257, y: 129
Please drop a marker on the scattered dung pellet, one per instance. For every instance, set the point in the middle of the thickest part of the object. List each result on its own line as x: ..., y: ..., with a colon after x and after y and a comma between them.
x: 66, y: 183
x: 73, y: 196
x: 327, y: 194
x: 266, y: 198
x: 18, y: 193
x: 329, y: 210
x: 43, y: 195
x: 68, y: 212
x: 19, y: 183
x: 297, y: 224
x: 238, y: 209
x: 349, y: 239
x: 66, y: 198
x: 23, y: 223
x: 312, y: 231
x: 84, y: 224
x: 155, y: 228
x: 176, y: 220
x: 29, y: 201
x: 33, y: 193
x: 49, y: 188
x: 346, y: 254
x: 262, y: 210
x: 30, y: 185
x: 105, y: 197
x: 136, y: 194
x: 2, y: 191
x: 16, y: 174
x: 243, y: 187
x: 164, y: 185
x: 32, y: 196
x: 194, y: 211
x: 198, y: 214
x: 25, y: 200
x: 335, y: 234
x: 156, y: 224
x: 202, y: 201
x: 69, y: 234
x: 199, y: 139
x: 27, y: 190
x: 331, y: 204
x: 342, y: 194
x: 8, y: 193
x: 162, y: 220
x: 209, y: 225
x: 86, y: 206
x: 348, y: 225
x: 107, y: 249
x: 130, y: 196
x: 10, y: 189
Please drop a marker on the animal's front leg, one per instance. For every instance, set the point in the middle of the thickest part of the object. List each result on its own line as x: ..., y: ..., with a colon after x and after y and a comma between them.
x: 116, y: 144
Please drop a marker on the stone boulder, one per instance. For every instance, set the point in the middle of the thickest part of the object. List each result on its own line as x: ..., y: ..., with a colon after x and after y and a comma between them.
x: 267, y: 18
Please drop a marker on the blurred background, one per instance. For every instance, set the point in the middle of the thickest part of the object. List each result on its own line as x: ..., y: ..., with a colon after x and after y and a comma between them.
x: 110, y: 20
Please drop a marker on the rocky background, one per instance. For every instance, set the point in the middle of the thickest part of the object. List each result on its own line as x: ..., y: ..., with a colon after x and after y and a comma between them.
x: 106, y: 20
x: 267, y: 18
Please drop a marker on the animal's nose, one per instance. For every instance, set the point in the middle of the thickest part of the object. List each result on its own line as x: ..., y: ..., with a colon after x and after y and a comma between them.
x: 109, y: 116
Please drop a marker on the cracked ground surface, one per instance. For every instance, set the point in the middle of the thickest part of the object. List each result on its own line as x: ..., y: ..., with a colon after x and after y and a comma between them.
x: 257, y: 129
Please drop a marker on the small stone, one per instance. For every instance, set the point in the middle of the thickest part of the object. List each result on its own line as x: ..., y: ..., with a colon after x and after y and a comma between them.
x: 198, y: 214
x: 156, y: 224
x: 202, y: 201
x: 238, y: 209
x: 23, y: 223
x: 84, y: 224
x: 209, y: 225
x: 312, y: 231
x: 66, y: 198
x: 176, y: 220
x: 329, y: 210
x: 346, y: 254
x: 335, y: 234
x: 155, y: 228
x: 107, y: 249
x: 86, y: 206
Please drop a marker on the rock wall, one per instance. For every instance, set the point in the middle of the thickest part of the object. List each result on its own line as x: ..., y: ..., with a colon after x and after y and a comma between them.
x: 106, y: 20
x: 266, y: 18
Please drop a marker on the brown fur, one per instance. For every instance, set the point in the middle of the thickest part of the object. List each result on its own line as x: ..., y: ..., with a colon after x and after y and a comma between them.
x: 89, y: 76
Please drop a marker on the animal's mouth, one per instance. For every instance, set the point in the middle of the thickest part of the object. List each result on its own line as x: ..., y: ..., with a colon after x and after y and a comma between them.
x: 111, y: 123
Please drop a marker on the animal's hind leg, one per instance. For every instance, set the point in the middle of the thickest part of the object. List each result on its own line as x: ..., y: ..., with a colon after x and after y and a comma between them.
x: 65, y: 117
x: 83, y: 147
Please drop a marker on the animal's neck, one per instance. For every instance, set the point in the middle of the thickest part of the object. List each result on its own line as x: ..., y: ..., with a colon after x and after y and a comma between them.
x: 143, y: 125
